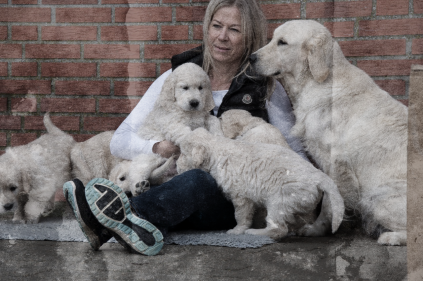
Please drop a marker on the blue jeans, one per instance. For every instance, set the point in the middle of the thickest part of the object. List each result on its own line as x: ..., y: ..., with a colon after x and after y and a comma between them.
x: 191, y: 200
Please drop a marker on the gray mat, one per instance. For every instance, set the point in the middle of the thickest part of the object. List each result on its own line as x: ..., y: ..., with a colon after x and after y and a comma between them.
x: 66, y: 228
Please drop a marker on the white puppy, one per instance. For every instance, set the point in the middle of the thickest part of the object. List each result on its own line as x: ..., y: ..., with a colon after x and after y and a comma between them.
x: 137, y: 175
x: 31, y: 173
x: 92, y: 158
x: 355, y: 132
x: 264, y: 174
x: 184, y: 104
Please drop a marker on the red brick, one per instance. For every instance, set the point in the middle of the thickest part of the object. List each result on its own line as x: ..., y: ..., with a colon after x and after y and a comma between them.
x: 68, y: 105
x: 3, y: 104
x: 198, y: 32
x: 68, y: 33
x: 2, y: 152
x: 363, y: 48
x: 3, y: 1
x: 128, y: 1
x: 341, y: 29
x: 417, y: 47
x: 82, y: 88
x: 405, y: 102
x: 390, y: 27
x: 99, y: 51
x: 17, y: 139
x: 10, y: 51
x: 3, y: 32
x: 83, y: 15
x: 418, y: 6
x: 165, y: 51
x: 24, y: 2
x: 117, y: 106
x: 145, y: 14
x: 102, y: 123
x: 195, y: 13
x: 24, y: 105
x: 282, y: 11
x: 165, y: 67
x: 125, y: 69
x: 25, y: 32
x: 51, y: 69
x: 25, y: 14
x: 70, y: 2
x: 128, y: 33
x: 3, y: 68
x: 24, y: 69
x: 25, y: 87
x: 175, y: 1
x: 387, y: 67
x: 343, y: 9
x: 10, y: 122
x: 131, y: 88
x: 62, y: 122
x: 3, y: 139
x: 391, y: 7
x: 271, y: 29
x: 82, y: 137
x: 178, y: 32
x: 393, y: 87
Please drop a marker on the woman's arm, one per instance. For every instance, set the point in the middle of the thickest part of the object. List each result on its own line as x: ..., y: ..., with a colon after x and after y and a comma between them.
x: 281, y: 116
x: 125, y: 142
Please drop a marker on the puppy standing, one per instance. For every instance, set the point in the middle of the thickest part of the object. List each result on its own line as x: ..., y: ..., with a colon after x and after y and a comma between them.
x: 356, y: 132
x: 30, y: 174
x: 184, y: 104
x: 268, y: 175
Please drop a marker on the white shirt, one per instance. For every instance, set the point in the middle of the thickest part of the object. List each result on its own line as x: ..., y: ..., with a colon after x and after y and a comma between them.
x: 127, y: 144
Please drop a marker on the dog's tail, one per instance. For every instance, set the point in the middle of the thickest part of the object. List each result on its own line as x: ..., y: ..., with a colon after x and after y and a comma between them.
x: 336, y: 203
x: 51, y: 128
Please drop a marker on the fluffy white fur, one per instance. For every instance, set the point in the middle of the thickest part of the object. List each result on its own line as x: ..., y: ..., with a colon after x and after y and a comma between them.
x: 263, y: 174
x: 241, y: 125
x: 184, y: 104
x: 356, y: 132
x: 137, y: 175
x: 92, y: 158
x: 31, y: 173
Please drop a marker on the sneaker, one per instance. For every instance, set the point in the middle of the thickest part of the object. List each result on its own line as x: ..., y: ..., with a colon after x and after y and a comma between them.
x: 111, y: 207
x: 95, y: 233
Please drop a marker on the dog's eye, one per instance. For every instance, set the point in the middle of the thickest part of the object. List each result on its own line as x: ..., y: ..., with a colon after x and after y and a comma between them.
x: 200, y: 88
x: 122, y: 178
x: 282, y: 42
x: 186, y: 88
x: 13, y: 188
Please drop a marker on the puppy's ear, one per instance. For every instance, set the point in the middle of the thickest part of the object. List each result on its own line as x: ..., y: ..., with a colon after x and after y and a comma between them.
x: 209, y: 104
x: 319, y: 48
x: 199, y: 154
x: 167, y: 94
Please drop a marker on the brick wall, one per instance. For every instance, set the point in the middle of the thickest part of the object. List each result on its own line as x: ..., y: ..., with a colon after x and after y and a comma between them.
x: 89, y: 62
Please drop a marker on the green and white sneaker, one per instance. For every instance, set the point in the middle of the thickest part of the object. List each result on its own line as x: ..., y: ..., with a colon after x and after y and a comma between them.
x: 111, y: 207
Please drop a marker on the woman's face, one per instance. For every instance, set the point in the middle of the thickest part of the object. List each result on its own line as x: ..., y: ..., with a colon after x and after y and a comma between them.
x: 225, y: 37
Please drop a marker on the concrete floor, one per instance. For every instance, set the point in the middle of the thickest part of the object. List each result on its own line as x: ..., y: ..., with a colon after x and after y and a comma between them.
x: 337, y: 257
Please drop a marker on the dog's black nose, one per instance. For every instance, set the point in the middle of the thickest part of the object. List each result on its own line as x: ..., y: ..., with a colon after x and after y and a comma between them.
x: 253, y: 58
x: 8, y: 206
x: 194, y: 103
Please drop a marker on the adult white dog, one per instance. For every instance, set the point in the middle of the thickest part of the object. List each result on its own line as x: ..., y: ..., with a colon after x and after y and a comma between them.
x: 31, y: 173
x: 184, y: 104
x: 269, y: 175
x: 356, y: 132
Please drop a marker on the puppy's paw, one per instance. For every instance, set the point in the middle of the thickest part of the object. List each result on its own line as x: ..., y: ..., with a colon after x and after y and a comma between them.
x: 18, y: 220
x: 32, y: 221
x: 237, y: 230
x: 393, y: 239
x: 311, y: 230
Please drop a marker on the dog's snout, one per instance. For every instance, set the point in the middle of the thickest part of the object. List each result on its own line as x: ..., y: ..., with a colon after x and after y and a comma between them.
x: 8, y: 206
x: 253, y: 58
x: 194, y: 103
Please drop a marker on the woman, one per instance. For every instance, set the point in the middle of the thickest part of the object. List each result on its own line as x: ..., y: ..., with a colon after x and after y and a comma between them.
x: 233, y: 30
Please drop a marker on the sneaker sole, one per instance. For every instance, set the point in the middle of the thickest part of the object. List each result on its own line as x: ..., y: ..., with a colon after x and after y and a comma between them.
x: 111, y: 208
x: 69, y: 192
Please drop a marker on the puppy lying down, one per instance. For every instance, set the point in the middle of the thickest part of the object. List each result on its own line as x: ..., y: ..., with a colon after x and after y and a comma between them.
x: 137, y: 175
x: 263, y: 174
x: 31, y: 173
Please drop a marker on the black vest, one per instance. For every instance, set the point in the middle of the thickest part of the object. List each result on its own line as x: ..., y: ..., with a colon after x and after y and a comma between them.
x: 244, y: 93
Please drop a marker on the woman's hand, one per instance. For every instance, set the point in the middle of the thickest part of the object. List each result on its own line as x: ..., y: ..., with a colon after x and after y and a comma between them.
x: 166, y: 149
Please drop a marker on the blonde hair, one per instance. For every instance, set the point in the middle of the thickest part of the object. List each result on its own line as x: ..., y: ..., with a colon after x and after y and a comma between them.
x: 253, y: 29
